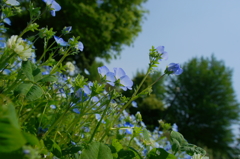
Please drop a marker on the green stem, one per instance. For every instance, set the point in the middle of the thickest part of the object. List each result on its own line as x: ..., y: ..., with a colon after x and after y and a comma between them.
x: 103, y: 114
x: 55, y: 123
x: 59, y: 62
x: 132, y: 98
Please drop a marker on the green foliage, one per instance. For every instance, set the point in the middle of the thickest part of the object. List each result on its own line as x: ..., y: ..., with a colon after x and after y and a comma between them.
x: 203, y: 104
x: 64, y: 116
x: 180, y: 144
x: 11, y: 137
x: 53, y: 147
x: 158, y: 153
x: 96, y: 150
x: 104, y: 26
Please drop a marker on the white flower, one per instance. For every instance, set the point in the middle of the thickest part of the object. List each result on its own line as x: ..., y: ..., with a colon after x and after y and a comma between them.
x: 20, y: 47
x: 70, y: 66
x: 198, y: 156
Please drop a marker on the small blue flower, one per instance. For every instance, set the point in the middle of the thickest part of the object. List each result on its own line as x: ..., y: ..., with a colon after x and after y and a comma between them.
x: 26, y: 152
x: 47, y: 70
x: 53, y: 5
x: 134, y: 104
x: 160, y: 49
x: 53, y: 106
x: 60, y: 41
x: 87, y: 90
x: 2, y: 43
x: 81, y: 95
x: 175, y: 68
x: 42, y: 131
x: 128, y: 124
x: 124, y: 79
x: 110, y: 76
x: 174, y: 127
x: 75, y: 110
x: 80, y: 46
x: 5, y: 19
x: 67, y: 29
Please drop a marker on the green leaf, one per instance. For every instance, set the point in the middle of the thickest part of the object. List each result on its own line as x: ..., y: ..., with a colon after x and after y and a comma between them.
x: 37, y: 74
x: 7, y: 111
x: 191, y: 149
x: 146, y: 134
x: 29, y: 90
x: 177, y: 140
x: 11, y: 137
x: 27, y: 69
x: 96, y: 150
x: 117, y: 145
x: 31, y: 139
x: 159, y: 153
x: 126, y: 154
x: 71, y: 150
x: 53, y: 147
x: 48, y: 78
x: 175, y: 145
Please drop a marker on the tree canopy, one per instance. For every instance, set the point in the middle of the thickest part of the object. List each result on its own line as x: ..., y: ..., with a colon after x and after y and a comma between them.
x: 203, y: 104
x: 201, y: 101
x: 104, y: 26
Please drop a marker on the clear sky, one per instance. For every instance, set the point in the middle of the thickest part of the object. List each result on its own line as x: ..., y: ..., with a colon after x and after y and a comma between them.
x: 187, y: 29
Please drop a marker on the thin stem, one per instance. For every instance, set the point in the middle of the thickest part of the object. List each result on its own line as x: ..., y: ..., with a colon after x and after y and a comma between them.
x: 103, y: 114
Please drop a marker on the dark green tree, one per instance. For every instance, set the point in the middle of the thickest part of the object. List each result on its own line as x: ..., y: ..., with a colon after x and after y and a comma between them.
x: 202, y: 103
x: 104, y: 26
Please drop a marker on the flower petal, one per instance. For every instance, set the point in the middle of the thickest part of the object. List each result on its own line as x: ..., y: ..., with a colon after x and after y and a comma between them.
x: 126, y: 82
x: 103, y: 70
x: 110, y: 77
x: 119, y: 72
x: 60, y: 41
x: 80, y: 46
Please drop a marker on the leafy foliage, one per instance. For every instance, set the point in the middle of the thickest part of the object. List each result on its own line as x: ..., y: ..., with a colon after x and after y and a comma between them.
x: 103, y: 25
x: 203, y: 104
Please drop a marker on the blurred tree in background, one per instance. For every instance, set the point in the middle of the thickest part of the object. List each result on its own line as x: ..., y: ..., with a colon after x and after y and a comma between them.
x: 201, y: 101
x: 203, y: 104
x: 104, y: 26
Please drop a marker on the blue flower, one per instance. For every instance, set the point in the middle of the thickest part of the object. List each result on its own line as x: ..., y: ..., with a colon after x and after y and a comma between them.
x: 175, y: 68
x: 174, y: 127
x: 75, y: 110
x: 67, y: 29
x: 53, y: 106
x: 87, y: 90
x: 110, y: 77
x: 125, y: 81
x: 164, y: 56
x: 80, y: 46
x: 128, y: 124
x: 53, y: 5
x: 2, y: 43
x: 60, y: 41
x: 5, y: 19
x: 134, y: 104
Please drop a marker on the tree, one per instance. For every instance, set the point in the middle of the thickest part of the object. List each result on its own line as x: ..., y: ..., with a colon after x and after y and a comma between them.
x: 203, y: 104
x: 103, y: 25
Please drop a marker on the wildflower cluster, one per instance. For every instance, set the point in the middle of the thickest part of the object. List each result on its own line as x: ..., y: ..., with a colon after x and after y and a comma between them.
x: 49, y: 110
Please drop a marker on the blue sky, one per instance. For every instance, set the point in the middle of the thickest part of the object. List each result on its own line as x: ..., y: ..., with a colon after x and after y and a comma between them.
x: 187, y: 29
